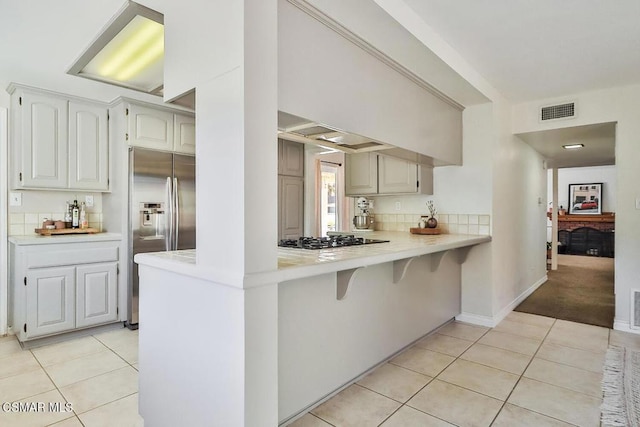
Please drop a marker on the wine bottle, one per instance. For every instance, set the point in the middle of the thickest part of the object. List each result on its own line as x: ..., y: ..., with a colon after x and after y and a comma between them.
x: 75, y: 215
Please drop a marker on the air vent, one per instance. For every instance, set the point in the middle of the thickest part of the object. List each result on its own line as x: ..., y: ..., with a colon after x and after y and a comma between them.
x: 554, y: 112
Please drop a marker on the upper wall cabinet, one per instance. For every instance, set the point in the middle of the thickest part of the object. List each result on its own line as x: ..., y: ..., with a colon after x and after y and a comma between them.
x: 58, y: 142
x: 371, y: 173
x: 184, y: 140
x: 88, y: 147
x: 160, y: 129
x: 361, y: 174
x: 290, y: 158
x: 396, y: 175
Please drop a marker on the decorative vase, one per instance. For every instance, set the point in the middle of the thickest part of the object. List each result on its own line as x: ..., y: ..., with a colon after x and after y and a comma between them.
x: 432, y: 223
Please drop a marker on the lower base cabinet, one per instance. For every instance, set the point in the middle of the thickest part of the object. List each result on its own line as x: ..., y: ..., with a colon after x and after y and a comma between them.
x: 48, y: 300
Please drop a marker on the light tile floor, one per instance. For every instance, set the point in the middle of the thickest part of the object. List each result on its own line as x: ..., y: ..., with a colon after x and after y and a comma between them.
x: 97, y: 375
x: 527, y: 371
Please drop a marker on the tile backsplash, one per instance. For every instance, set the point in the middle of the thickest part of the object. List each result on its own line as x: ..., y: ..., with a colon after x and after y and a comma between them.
x: 448, y: 223
x: 24, y: 224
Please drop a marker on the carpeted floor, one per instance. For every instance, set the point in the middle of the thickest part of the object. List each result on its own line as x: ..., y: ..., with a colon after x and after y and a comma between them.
x: 580, y: 290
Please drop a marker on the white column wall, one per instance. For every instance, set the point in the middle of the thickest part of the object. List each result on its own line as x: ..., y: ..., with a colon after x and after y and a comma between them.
x: 619, y: 105
x: 228, y: 52
x: 468, y: 189
x: 519, y: 216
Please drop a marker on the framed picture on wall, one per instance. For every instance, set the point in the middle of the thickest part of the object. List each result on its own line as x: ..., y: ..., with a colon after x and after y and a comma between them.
x: 585, y: 199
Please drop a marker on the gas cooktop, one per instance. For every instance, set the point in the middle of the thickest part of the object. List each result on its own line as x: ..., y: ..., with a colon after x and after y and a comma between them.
x: 327, y: 242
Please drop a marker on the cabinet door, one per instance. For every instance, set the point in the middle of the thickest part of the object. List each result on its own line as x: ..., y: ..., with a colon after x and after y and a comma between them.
x: 426, y: 179
x: 397, y: 175
x: 50, y: 300
x: 290, y: 158
x: 185, y: 134
x: 361, y: 174
x: 43, y: 141
x: 291, y: 209
x: 96, y: 294
x: 150, y: 128
x: 88, y: 147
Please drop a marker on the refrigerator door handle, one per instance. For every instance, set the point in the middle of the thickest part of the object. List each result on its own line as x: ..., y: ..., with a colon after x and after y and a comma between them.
x: 169, y: 217
x: 176, y: 212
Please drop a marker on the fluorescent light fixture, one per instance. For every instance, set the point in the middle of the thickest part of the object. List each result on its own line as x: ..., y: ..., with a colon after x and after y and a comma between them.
x: 129, y: 51
x: 572, y: 146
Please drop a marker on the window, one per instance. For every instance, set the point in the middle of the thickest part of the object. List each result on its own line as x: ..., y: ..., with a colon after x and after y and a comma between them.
x: 329, y: 208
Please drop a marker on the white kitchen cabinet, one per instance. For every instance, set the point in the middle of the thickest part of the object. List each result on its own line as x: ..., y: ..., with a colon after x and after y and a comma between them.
x: 397, y: 175
x: 150, y: 127
x: 291, y: 207
x: 154, y: 127
x: 370, y: 174
x: 88, y: 147
x: 50, y: 301
x: 58, y: 141
x: 40, y: 140
x: 61, y: 287
x: 290, y: 158
x: 184, y: 134
x: 361, y: 174
x: 290, y: 189
x: 96, y: 294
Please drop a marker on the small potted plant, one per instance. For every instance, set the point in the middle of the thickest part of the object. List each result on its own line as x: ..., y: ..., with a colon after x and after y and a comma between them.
x: 432, y: 222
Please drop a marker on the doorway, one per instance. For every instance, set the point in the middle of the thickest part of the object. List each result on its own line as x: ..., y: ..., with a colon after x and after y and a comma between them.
x: 581, y: 270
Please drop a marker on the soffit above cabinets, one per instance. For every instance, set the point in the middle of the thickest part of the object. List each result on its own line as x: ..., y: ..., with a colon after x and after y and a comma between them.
x: 306, y: 131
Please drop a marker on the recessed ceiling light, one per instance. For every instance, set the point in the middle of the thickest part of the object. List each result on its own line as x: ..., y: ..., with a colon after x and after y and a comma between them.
x: 572, y: 146
x: 129, y: 51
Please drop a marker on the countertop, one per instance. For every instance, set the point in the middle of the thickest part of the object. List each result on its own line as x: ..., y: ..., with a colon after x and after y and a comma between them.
x: 300, y: 263
x: 36, y: 239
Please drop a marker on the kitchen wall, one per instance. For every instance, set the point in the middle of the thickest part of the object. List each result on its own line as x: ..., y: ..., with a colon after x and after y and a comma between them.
x: 619, y: 105
x: 38, y: 205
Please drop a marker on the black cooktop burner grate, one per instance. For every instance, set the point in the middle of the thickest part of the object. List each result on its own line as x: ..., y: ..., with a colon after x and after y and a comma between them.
x: 327, y: 242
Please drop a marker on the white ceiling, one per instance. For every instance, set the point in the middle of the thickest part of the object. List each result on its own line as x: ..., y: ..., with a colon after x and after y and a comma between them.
x: 527, y: 50
x: 531, y: 50
x: 598, y: 140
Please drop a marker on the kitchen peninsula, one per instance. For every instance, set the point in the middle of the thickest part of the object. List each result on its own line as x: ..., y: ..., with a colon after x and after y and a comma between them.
x: 340, y: 312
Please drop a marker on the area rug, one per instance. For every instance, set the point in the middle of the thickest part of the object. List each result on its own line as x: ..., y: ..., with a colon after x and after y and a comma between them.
x: 621, y: 388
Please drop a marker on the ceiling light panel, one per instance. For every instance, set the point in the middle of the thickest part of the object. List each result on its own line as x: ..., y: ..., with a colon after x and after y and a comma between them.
x: 572, y: 146
x: 129, y: 51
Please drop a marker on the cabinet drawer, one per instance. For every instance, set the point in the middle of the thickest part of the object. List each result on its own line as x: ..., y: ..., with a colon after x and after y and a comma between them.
x: 71, y: 256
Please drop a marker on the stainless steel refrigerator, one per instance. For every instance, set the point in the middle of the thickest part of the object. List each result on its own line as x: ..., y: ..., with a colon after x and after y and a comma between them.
x: 162, y: 210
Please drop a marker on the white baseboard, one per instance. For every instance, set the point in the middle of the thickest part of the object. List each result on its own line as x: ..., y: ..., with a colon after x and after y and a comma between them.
x: 476, y: 319
x: 492, y: 321
x: 621, y: 325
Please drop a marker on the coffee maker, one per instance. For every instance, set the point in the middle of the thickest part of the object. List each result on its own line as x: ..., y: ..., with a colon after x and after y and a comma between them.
x: 363, y: 220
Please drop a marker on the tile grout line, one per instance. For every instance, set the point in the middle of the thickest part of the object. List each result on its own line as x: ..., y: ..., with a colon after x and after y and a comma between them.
x: 56, y: 388
x: 522, y: 374
x: 435, y: 377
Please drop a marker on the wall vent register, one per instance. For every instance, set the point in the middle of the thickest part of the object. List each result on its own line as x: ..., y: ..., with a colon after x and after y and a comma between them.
x: 560, y: 111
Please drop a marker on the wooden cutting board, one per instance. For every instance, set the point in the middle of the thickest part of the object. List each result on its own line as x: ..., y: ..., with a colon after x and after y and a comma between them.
x: 416, y: 230
x: 59, y: 231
